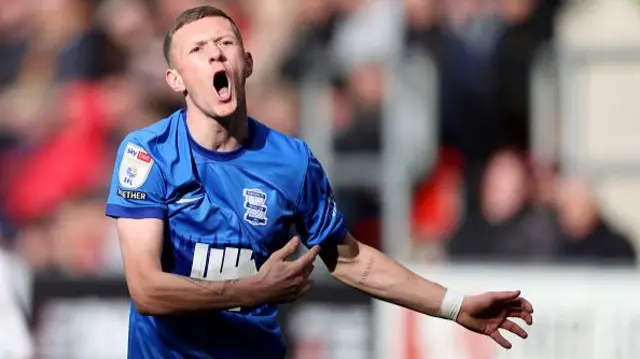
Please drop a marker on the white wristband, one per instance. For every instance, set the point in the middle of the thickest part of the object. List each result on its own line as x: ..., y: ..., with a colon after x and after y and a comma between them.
x: 451, y: 305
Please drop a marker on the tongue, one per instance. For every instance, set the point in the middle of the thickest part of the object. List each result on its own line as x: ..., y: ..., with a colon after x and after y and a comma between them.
x: 223, y: 92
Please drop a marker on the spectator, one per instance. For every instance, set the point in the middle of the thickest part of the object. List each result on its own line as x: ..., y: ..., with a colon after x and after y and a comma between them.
x: 586, y: 236
x: 17, y: 23
x: 36, y: 183
x: 529, y: 28
x: 317, y: 24
x: 364, y: 96
x: 79, y: 235
x: 507, y: 227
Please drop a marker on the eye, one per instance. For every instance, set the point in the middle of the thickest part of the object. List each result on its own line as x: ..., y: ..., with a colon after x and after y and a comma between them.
x: 226, y: 42
x: 196, y: 49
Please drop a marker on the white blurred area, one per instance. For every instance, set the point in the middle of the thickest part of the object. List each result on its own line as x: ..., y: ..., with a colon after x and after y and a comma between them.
x: 15, y: 339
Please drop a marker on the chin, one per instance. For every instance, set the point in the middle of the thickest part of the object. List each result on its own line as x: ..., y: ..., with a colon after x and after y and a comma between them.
x: 225, y: 109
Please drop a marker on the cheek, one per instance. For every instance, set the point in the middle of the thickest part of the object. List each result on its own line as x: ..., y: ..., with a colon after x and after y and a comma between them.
x: 196, y: 74
x: 197, y: 64
x: 237, y: 62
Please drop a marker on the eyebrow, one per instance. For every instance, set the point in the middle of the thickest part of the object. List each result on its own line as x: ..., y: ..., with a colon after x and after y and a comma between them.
x: 214, y: 38
x: 199, y: 43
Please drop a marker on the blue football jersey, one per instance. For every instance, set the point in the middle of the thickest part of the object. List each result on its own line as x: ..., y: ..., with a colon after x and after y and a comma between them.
x: 225, y: 213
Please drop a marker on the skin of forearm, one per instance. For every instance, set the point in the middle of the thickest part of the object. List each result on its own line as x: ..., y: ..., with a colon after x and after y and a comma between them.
x: 374, y: 273
x: 163, y: 294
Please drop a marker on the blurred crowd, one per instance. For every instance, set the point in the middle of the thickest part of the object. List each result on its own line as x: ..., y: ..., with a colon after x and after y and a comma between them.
x: 77, y: 75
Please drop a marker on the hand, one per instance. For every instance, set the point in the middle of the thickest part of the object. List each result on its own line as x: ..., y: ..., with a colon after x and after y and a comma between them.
x: 488, y: 312
x: 284, y: 281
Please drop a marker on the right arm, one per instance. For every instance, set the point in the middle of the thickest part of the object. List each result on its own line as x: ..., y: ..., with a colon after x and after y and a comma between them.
x: 156, y: 292
x: 137, y: 199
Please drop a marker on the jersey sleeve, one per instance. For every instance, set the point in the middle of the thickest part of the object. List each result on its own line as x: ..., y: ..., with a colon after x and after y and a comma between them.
x: 137, y: 186
x: 318, y: 219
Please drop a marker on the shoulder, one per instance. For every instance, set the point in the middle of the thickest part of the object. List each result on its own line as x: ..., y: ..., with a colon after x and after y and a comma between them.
x: 289, y: 147
x: 286, y: 148
x: 288, y: 159
x: 148, y: 150
x: 152, y: 135
x: 157, y: 139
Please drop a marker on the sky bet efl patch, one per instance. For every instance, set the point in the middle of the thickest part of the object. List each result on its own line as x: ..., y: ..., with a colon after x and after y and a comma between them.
x: 134, y: 167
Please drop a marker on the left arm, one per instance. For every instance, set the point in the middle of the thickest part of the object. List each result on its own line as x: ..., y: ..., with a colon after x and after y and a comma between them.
x: 356, y: 264
x: 320, y: 223
x: 368, y: 270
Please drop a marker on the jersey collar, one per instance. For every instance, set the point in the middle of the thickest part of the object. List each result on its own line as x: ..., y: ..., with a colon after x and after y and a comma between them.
x: 217, y: 155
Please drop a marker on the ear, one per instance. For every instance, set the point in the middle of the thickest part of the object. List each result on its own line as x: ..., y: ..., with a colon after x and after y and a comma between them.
x: 248, y: 64
x: 174, y: 80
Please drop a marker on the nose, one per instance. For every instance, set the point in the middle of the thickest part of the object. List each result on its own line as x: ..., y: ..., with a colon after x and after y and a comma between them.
x: 215, y: 54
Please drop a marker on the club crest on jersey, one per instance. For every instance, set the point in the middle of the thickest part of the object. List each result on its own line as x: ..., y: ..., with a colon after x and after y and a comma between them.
x: 255, y: 202
x: 134, y: 167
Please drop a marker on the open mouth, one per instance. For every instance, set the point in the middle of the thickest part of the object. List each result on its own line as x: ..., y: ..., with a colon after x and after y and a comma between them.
x: 221, y: 84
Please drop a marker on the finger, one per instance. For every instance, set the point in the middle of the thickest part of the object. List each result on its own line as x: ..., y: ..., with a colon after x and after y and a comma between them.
x: 516, y: 303
x: 289, y: 249
x: 526, y: 306
x: 527, y: 317
x: 498, y: 338
x: 514, y: 328
x: 313, y: 253
x: 308, y: 257
x: 522, y: 304
x: 505, y: 296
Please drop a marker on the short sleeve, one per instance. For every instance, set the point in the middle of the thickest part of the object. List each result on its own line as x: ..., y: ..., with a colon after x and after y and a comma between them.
x: 137, y: 185
x: 318, y: 219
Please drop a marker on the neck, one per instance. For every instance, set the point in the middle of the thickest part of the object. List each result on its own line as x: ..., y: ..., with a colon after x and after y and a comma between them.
x: 218, y: 134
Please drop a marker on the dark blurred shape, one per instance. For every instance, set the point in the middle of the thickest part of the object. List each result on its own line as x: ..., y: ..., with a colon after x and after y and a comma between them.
x: 33, y: 243
x: 318, y: 20
x: 16, y: 25
x: 6, y: 232
x: 364, y: 95
x: 526, y: 218
x: 507, y: 227
x: 529, y: 29
x: 586, y: 236
x: 426, y: 30
x: 89, y: 57
x: 59, y: 42
x: 78, y: 233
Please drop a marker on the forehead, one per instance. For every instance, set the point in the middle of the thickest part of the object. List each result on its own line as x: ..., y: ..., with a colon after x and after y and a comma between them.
x: 202, y: 29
